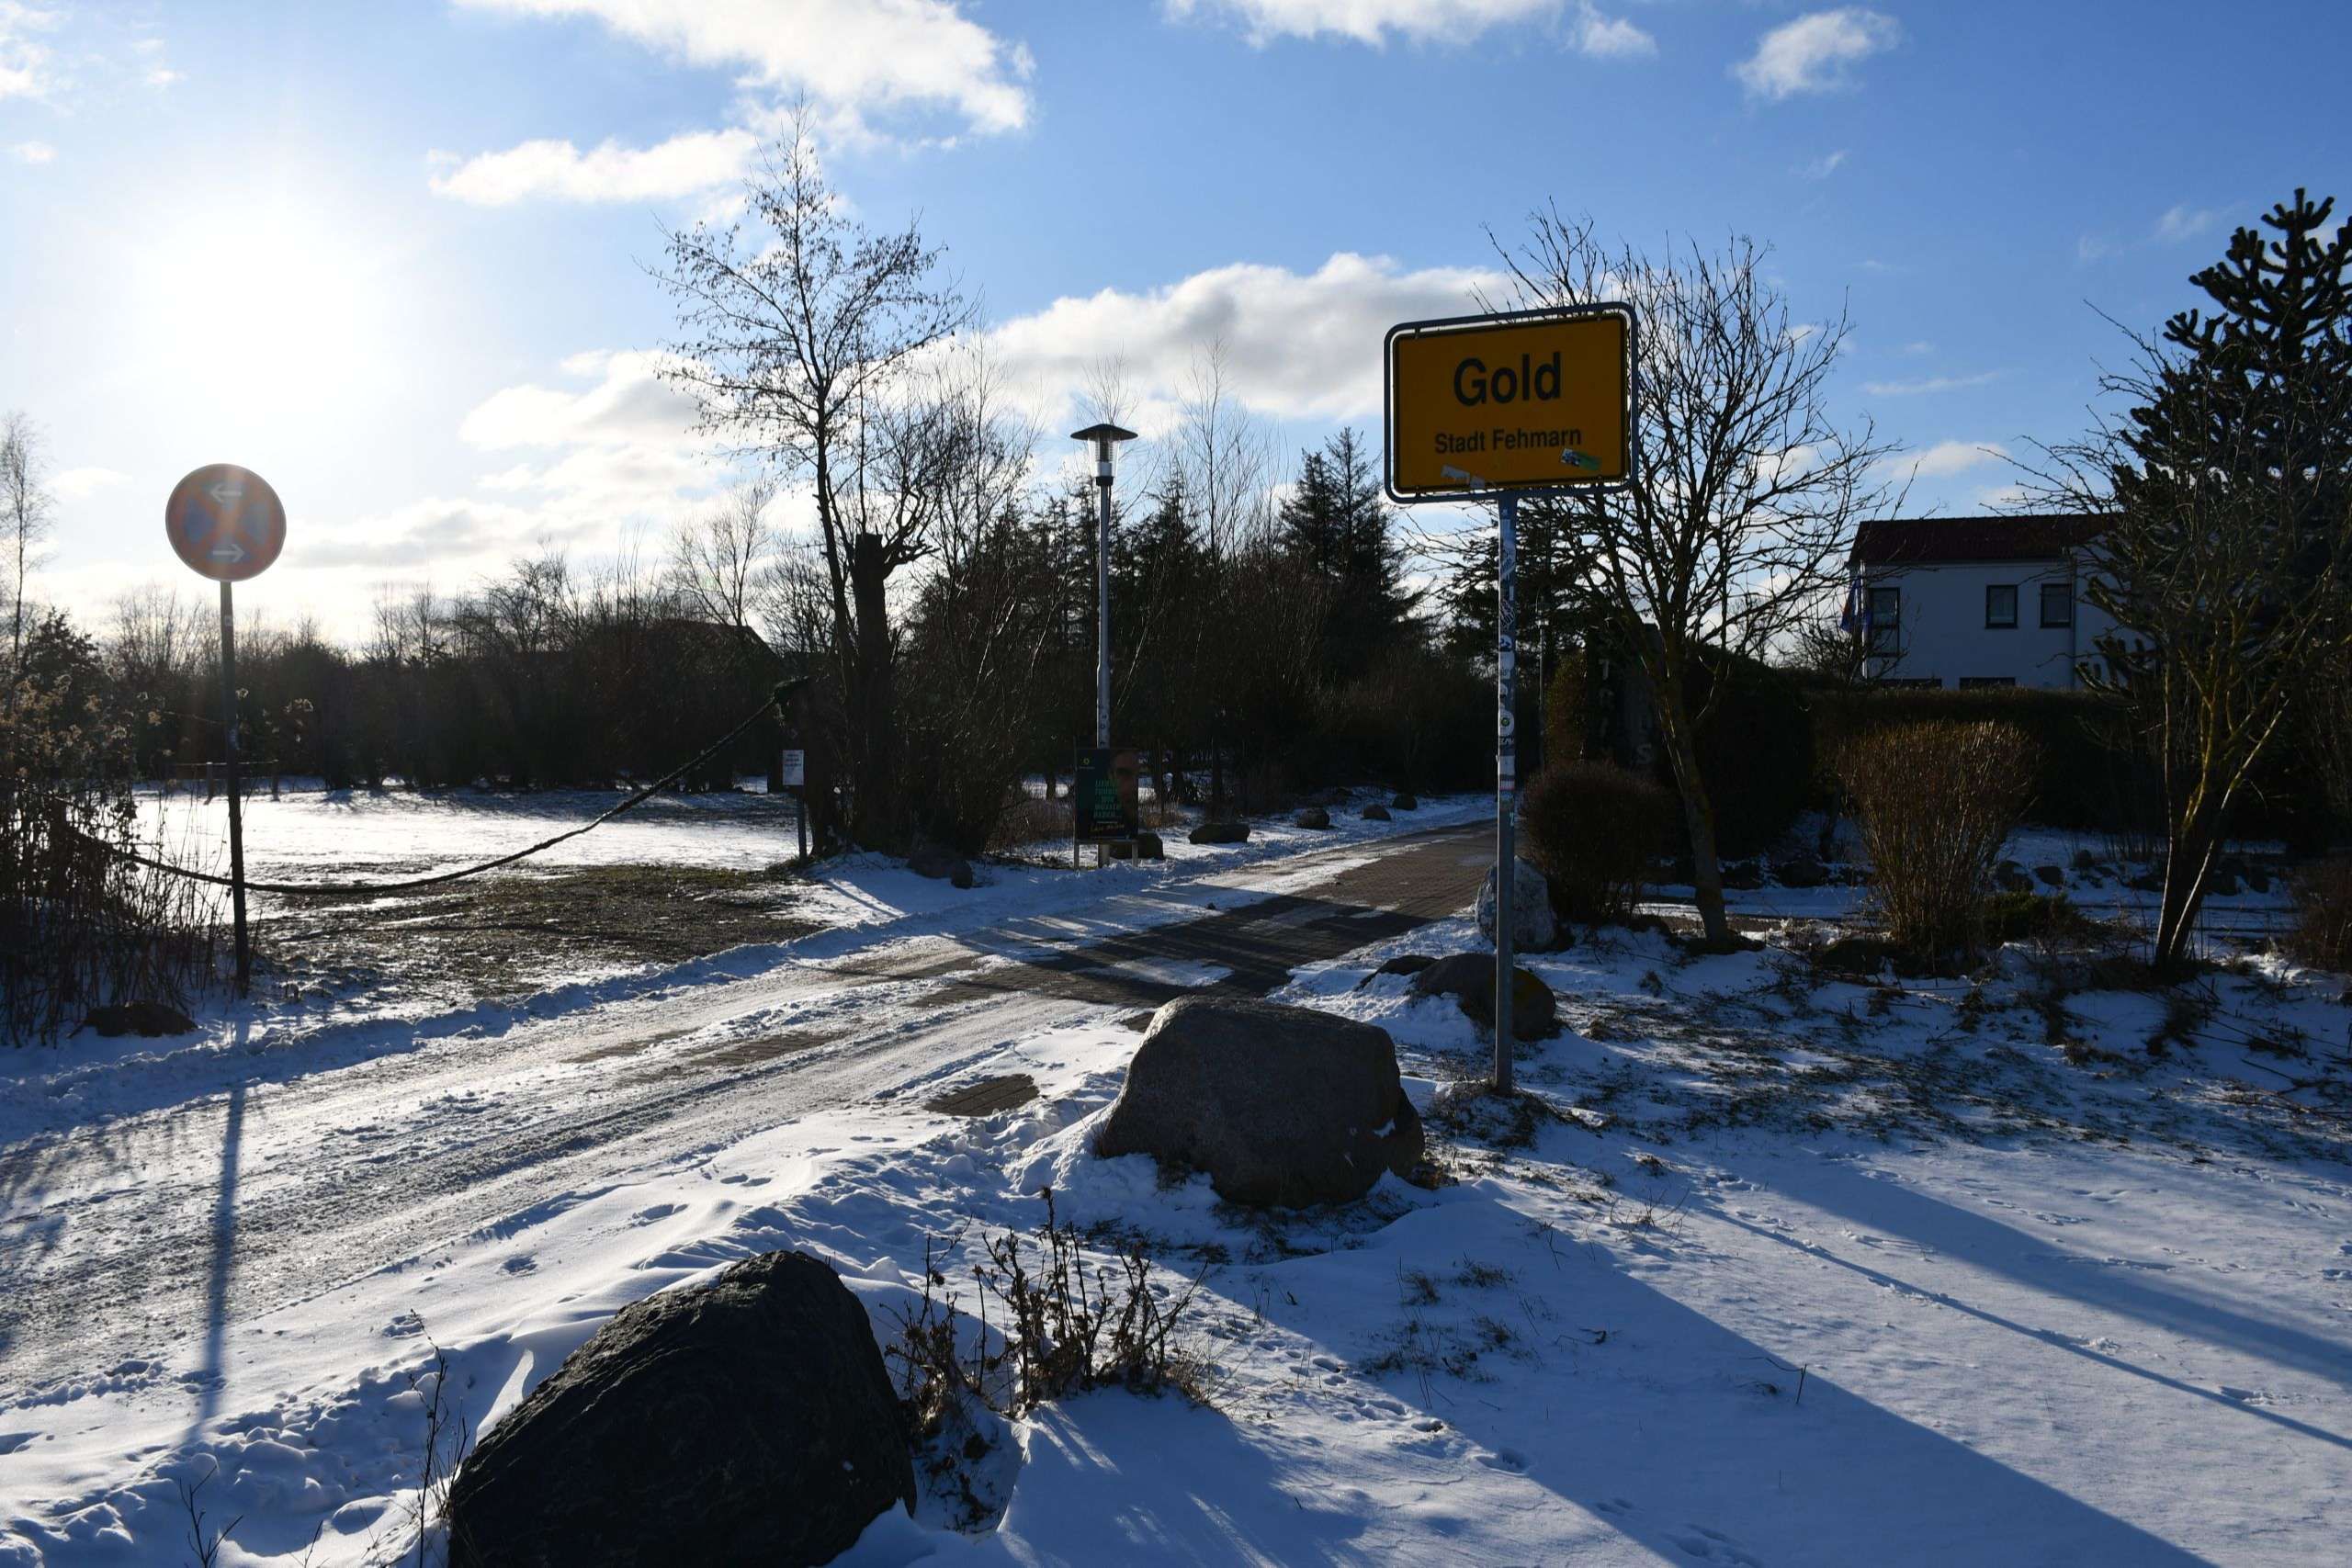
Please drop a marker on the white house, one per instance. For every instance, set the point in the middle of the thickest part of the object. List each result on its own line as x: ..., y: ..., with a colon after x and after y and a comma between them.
x: 1956, y: 602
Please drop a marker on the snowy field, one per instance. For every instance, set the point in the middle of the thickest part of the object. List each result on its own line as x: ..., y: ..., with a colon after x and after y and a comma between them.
x: 1805, y: 1270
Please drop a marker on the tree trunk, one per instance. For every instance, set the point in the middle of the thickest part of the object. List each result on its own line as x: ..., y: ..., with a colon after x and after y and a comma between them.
x: 2191, y: 850
x: 873, y: 774
x: 1698, y: 811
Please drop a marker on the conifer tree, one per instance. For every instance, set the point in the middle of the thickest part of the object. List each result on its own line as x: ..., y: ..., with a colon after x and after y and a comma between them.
x: 2226, y: 555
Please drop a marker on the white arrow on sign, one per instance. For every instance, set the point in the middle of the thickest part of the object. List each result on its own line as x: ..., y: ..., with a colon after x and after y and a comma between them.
x: 225, y: 492
x: 229, y: 550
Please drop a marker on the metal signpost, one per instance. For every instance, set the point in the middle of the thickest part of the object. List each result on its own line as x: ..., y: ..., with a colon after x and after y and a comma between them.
x: 1103, y: 439
x: 226, y: 523
x: 795, y: 776
x: 1524, y: 402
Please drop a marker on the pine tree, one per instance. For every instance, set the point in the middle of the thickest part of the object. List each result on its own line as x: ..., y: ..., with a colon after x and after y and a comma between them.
x: 1337, y: 522
x: 2226, y: 560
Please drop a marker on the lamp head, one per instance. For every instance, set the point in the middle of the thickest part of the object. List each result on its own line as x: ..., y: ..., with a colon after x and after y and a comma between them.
x: 1104, y: 438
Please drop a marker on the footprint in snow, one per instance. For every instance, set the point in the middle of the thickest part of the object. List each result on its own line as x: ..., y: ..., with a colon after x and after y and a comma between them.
x: 1713, y: 1546
x: 1614, y: 1506
x: 1511, y: 1460
x: 524, y: 1264
x: 403, y: 1326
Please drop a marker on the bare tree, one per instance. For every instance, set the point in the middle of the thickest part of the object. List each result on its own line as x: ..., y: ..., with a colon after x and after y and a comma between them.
x: 25, y: 514
x: 715, y: 560
x: 1748, y: 493
x: 796, y: 340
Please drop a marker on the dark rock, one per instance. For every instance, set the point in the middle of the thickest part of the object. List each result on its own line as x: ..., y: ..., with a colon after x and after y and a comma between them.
x: 2149, y: 881
x: 2084, y: 859
x: 1533, y: 927
x: 1742, y: 876
x: 1149, y: 847
x: 148, y: 1019
x: 1280, y: 1106
x: 2256, y: 879
x: 1802, y: 870
x: 941, y: 865
x: 2220, y: 883
x: 748, y: 1421
x: 1469, y: 979
x: 1406, y: 963
x: 1376, y: 812
x: 2010, y: 878
x: 1406, y: 801
x: 1313, y: 817
x: 1219, y: 833
x: 2051, y: 875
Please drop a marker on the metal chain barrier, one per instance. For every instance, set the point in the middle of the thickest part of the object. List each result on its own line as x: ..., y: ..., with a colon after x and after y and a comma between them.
x: 371, y: 889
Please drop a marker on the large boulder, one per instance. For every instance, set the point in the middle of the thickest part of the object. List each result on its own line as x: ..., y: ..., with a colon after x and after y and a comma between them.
x: 1469, y: 979
x: 1313, y: 817
x: 1375, y: 812
x: 1803, y: 869
x: 1219, y: 833
x: 748, y: 1421
x: 941, y: 865
x: 1532, y: 928
x: 1280, y: 1106
x: 1149, y: 847
x: 1406, y: 801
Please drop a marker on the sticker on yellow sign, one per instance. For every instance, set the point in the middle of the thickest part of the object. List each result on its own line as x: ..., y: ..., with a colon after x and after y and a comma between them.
x: 1532, y: 400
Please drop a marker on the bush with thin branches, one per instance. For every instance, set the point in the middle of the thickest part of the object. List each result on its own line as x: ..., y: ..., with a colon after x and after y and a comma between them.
x: 1936, y: 802
x: 1592, y: 830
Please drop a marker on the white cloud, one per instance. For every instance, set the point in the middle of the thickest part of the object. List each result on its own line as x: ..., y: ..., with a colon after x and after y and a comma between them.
x: 33, y: 152
x: 1928, y: 384
x: 1422, y: 21
x: 2184, y: 222
x: 697, y: 161
x: 1823, y: 167
x: 73, y: 484
x: 846, y: 56
x: 623, y: 445
x: 1295, y: 346
x: 164, y: 76
x: 25, y: 61
x: 1610, y: 38
x: 1946, y: 458
x: 1816, y: 52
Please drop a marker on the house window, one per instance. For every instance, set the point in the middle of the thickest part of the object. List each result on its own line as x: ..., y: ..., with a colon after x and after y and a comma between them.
x: 1886, y: 621
x: 1967, y: 681
x: 2057, y: 604
x: 2001, y: 605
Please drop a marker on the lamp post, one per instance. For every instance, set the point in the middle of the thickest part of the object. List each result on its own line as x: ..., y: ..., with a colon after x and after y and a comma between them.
x: 1104, y: 438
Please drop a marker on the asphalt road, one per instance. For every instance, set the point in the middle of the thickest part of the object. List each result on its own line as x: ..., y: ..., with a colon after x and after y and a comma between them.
x: 155, y: 1234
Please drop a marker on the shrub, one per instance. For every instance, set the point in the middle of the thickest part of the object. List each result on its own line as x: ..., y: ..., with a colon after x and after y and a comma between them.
x: 1756, y: 751
x: 1936, y: 802
x: 2090, y: 772
x: 1592, y: 830
x: 2030, y: 916
x: 2322, y: 934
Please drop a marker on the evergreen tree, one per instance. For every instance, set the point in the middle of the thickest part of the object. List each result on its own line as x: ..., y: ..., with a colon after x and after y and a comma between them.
x: 2226, y: 558
x: 1337, y: 522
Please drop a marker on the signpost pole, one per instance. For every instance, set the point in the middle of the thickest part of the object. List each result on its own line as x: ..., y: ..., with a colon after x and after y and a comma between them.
x: 236, y: 790
x: 1506, y: 772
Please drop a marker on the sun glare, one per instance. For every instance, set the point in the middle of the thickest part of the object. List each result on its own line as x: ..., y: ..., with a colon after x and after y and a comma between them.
x: 263, y: 315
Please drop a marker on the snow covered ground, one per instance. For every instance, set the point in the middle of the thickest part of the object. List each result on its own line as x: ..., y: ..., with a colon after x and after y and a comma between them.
x: 1804, y: 1270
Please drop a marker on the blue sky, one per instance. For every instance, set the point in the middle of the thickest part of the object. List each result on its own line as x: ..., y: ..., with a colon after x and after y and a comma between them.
x: 392, y: 256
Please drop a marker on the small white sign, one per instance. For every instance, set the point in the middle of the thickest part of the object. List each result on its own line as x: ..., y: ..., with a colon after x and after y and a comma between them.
x: 795, y: 769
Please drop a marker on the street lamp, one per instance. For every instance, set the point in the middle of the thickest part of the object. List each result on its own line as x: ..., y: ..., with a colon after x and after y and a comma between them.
x: 1104, y: 438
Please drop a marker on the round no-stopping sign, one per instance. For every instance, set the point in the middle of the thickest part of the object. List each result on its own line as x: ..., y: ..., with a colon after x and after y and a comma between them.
x: 225, y: 521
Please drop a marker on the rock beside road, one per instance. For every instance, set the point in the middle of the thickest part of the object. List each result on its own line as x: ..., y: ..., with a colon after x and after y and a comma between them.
x: 747, y: 1421
x: 1313, y: 817
x: 1281, y: 1107
x: 941, y: 865
x: 1469, y: 979
x: 1533, y: 927
x: 1376, y: 813
x: 1219, y: 833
